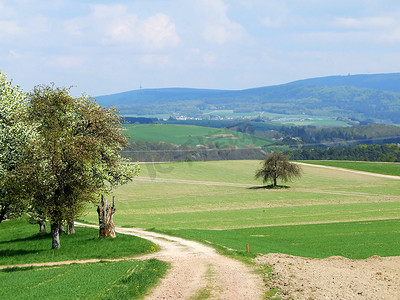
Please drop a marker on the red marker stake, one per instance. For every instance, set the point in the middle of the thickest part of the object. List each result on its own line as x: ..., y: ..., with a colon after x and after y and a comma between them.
x: 247, y: 247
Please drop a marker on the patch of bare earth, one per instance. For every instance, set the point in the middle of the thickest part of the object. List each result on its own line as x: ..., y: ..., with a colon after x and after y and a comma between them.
x: 334, y: 277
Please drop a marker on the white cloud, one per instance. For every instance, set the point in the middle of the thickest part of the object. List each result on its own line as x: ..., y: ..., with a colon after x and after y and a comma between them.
x: 159, y: 31
x: 67, y: 61
x: 217, y: 27
x: 39, y: 24
x: 12, y: 54
x: 270, y: 14
x: 158, y: 60
x: 113, y: 24
x: 10, y: 28
x: 365, y: 23
x: 209, y: 58
x: 393, y: 36
x: 345, y: 32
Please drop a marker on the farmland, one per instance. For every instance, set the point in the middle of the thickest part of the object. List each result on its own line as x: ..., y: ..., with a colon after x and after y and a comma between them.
x: 376, y: 167
x: 192, y: 135
x: 104, y: 280
x: 91, y: 278
x: 213, y: 200
x: 325, y: 213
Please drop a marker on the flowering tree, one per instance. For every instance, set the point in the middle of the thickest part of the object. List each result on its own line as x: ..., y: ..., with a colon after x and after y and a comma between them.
x: 75, y: 157
x: 15, y: 135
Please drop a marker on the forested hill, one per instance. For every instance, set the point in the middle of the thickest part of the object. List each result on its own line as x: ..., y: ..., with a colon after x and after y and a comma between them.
x: 363, y: 97
x: 383, y: 82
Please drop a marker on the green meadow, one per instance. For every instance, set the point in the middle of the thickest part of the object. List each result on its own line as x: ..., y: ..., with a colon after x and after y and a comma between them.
x: 373, y: 167
x: 356, y: 240
x: 192, y: 135
x: 21, y: 244
x: 220, y: 201
x: 104, y: 280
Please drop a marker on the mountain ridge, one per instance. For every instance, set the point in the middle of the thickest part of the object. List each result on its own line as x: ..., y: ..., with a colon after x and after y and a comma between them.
x: 364, y: 96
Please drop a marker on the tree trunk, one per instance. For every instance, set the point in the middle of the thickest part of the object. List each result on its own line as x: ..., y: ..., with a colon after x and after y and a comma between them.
x: 274, y: 181
x: 55, y: 236
x: 3, y: 212
x: 42, y: 226
x: 70, y: 227
x: 61, y: 228
x: 106, y: 221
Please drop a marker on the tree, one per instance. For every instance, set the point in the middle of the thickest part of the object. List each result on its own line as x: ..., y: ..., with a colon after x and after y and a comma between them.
x: 15, y: 135
x: 276, y: 166
x: 76, y: 155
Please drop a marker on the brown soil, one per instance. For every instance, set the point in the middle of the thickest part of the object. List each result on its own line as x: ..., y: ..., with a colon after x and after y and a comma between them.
x: 334, y: 277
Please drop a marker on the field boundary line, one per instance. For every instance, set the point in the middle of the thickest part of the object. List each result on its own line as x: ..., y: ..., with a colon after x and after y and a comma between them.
x: 185, y: 181
x: 82, y: 261
x: 306, y: 223
x: 351, y: 171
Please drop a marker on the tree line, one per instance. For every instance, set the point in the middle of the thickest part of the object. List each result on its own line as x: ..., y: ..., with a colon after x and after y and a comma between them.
x: 383, y: 153
x: 362, y: 134
x: 57, y: 154
x: 290, y: 99
x: 149, y: 151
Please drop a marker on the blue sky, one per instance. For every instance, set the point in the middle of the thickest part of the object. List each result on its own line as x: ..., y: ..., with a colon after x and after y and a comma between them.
x: 105, y: 47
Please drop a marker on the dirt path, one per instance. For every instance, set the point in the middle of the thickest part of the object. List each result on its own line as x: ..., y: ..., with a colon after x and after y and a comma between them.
x: 197, y: 269
x: 351, y: 171
x: 184, y: 181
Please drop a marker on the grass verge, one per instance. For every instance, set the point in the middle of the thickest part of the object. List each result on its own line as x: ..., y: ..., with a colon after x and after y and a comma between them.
x: 373, y: 167
x: 20, y: 243
x: 105, y: 280
x: 355, y: 240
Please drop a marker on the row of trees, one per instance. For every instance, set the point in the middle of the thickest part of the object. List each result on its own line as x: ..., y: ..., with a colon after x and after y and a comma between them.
x: 162, y: 151
x: 362, y: 134
x: 57, y: 153
x: 384, y: 153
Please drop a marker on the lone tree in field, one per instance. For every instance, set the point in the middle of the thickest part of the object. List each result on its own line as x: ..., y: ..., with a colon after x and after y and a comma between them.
x: 75, y: 157
x: 277, y: 166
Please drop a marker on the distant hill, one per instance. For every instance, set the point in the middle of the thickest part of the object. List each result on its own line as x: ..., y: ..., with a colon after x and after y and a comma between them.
x: 382, y: 82
x: 373, y: 97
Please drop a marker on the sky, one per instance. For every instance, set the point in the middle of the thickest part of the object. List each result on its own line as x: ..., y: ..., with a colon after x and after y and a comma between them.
x: 106, y: 47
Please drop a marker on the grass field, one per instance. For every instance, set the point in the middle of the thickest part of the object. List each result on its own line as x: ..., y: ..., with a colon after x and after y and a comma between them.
x: 20, y: 244
x: 356, y: 240
x: 223, y: 195
x: 373, y: 167
x: 327, y: 212
x: 192, y: 135
x: 104, y: 280
x: 278, y: 119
